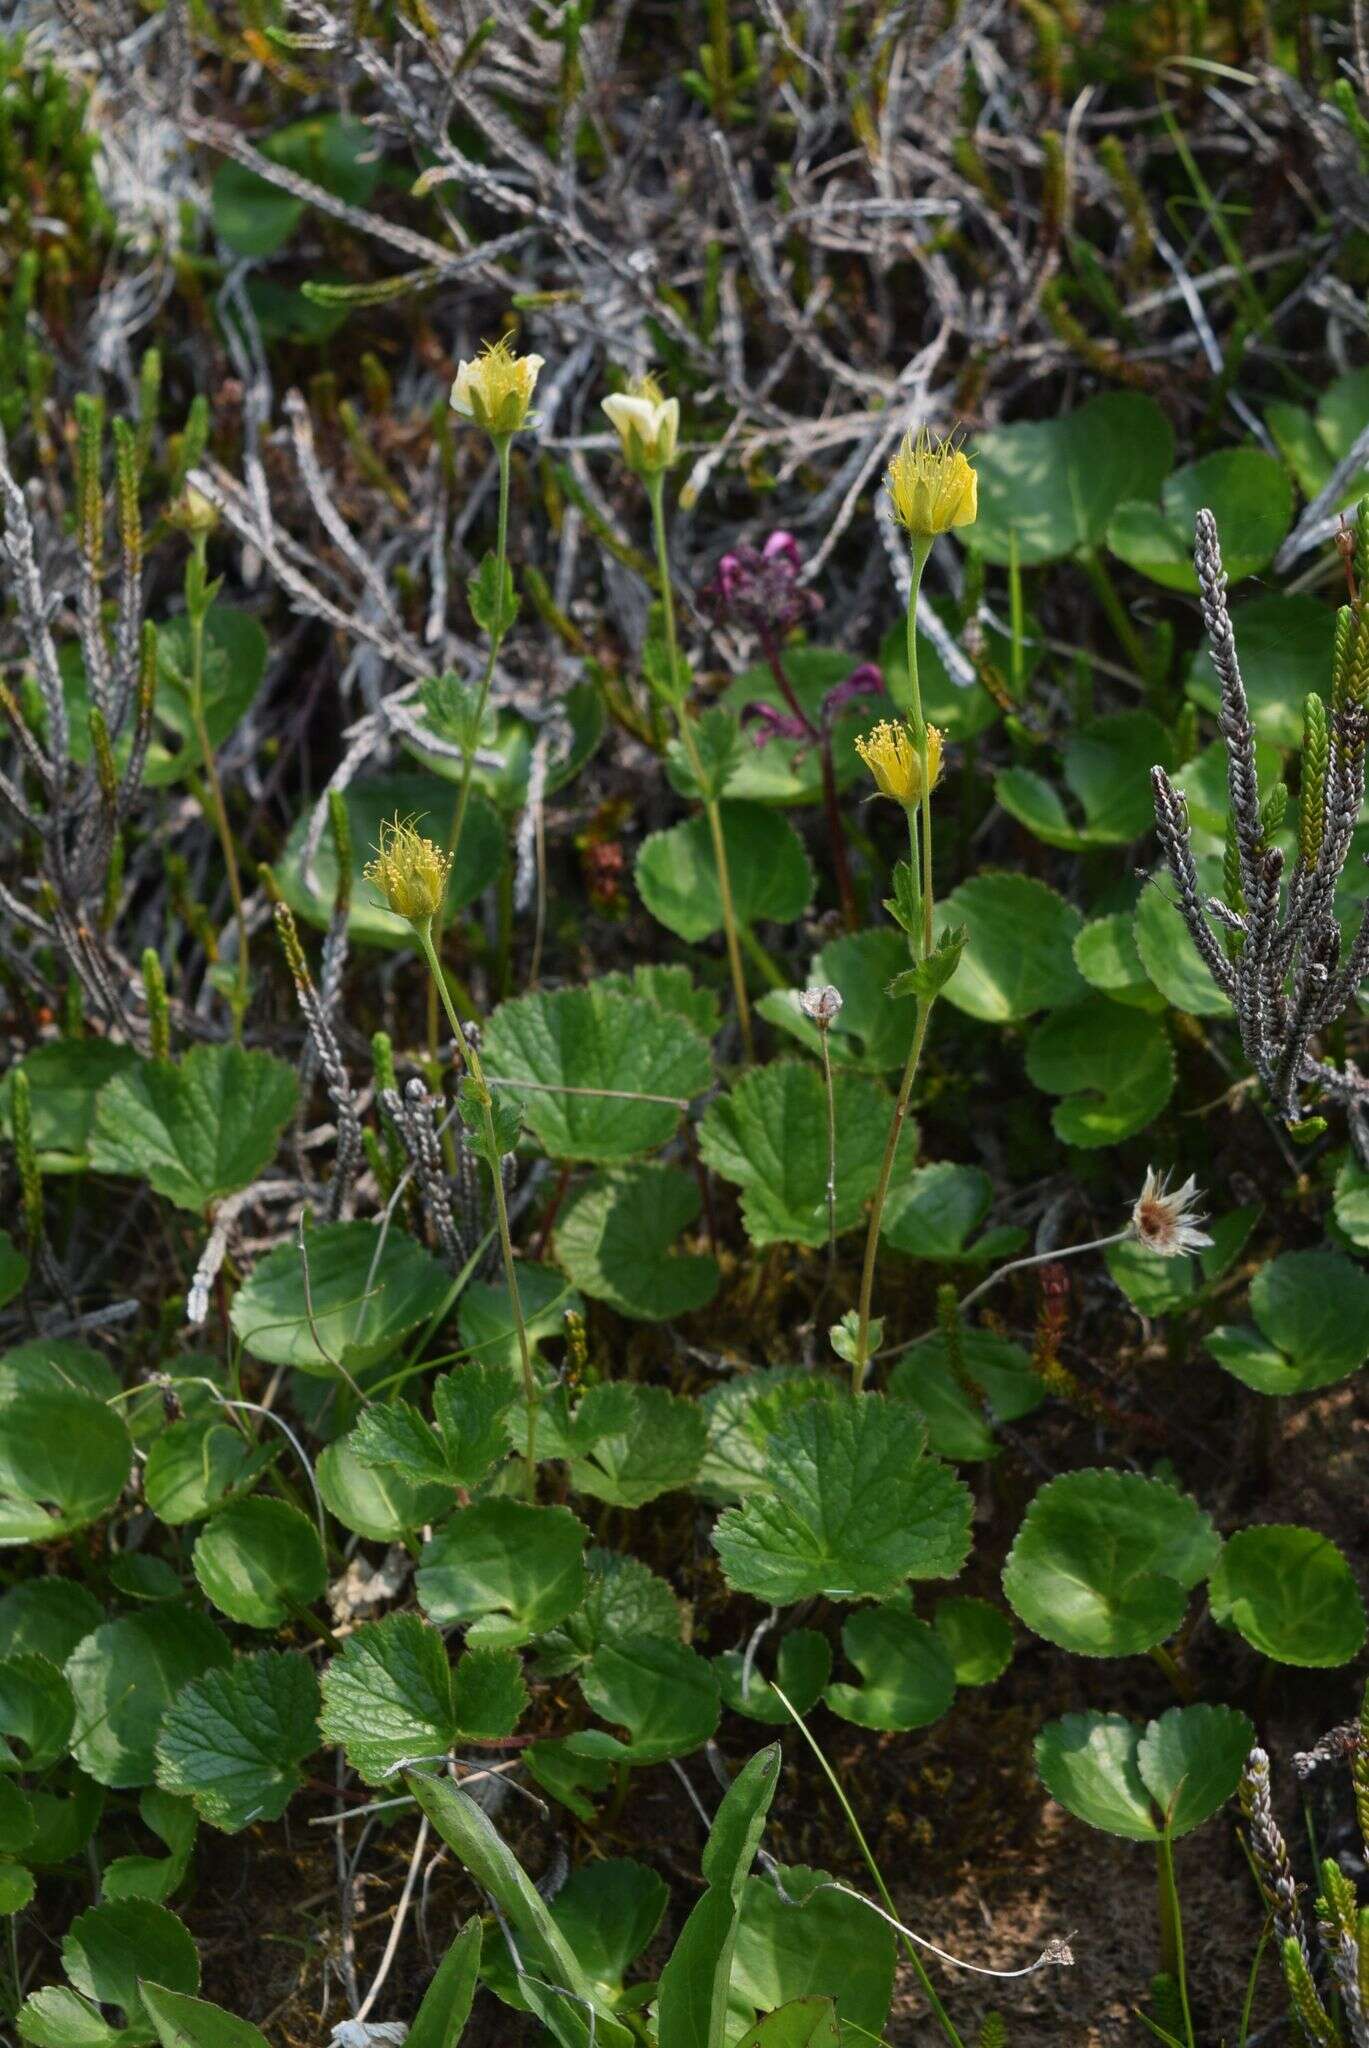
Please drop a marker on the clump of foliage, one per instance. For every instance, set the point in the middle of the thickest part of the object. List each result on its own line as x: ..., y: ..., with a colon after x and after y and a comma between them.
x: 610, y: 1129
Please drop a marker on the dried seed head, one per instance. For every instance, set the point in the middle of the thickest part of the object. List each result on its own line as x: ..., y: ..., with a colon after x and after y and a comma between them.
x: 495, y: 389
x: 409, y: 871
x: 1166, y: 1221
x: 932, y: 486
x: 892, y: 759
x: 822, y: 1006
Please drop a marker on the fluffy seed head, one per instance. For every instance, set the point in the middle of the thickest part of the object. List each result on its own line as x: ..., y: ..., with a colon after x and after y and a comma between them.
x: 1167, y: 1220
x: 932, y: 486
x: 821, y: 1005
x: 409, y: 871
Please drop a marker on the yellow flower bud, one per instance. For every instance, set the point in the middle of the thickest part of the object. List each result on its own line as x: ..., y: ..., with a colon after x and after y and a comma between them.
x: 932, y: 486
x: 192, y: 513
x: 648, y: 425
x: 495, y: 390
x: 893, y: 760
x: 409, y: 871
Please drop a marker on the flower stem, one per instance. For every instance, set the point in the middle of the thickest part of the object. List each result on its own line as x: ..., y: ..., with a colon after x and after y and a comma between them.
x: 920, y: 552
x: 1068, y: 1251
x: 424, y: 935
x: 656, y: 493
x: 831, y: 1152
x: 197, y: 610
x: 502, y: 444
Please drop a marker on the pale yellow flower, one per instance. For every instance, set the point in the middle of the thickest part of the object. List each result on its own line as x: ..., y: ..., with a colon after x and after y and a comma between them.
x: 409, y: 870
x: 892, y: 758
x: 495, y: 389
x: 932, y: 486
x: 648, y: 425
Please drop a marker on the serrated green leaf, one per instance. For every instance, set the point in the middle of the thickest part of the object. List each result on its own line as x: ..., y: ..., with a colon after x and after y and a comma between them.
x: 387, y: 1696
x: 852, y: 1508
x: 36, y: 1712
x: 593, y: 1038
x: 623, y: 1597
x: 232, y: 1741
x: 1290, y: 1592
x: 198, y: 1130
x: 768, y: 1135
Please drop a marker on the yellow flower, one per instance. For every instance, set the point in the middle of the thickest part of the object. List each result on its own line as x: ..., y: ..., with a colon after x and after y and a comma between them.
x: 409, y: 871
x: 893, y: 760
x: 648, y: 425
x: 495, y: 390
x: 932, y: 486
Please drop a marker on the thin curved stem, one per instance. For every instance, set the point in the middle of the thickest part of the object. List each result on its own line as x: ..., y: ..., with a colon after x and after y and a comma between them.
x: 463, y: 797
x: 656, y: 493
x: 1069, y: 1251
x: 423, y: 933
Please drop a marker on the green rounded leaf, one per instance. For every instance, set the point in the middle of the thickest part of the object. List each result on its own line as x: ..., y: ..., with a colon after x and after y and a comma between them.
x: 197, y: 1464
x: 1191, y: 1761
x: 507, y: 1568
x: 367, y: 1290
x: 64, y: 1080
x: 1249, y: 493
x: 47, y: 1616
x: 1291, y: 1594
x: 909, y: 1677
x: 958, y: 1424
x: 64, y: 1458
x: 1113, y: 1066
x: 1315, y: 1307
x: 377, y: 1502
x: 615, y: 1236
x: 1285, y: 646
x: 767, y: 867
x: 107, y: 1949
x: 1054, y: 484
x: 663, y: 1693
x: 870, y: 1032
x: 803, y: 1665
x: 977, y: 1638
x: 185, y: 2022
x: 260, y: 1561
x: 256, y: 218
x: 1019, y: 956
x: 932, y: 1214
x: 1167, y: 952
x: 1088, y: 1762
x: 796, y: 1935
x: 1104, y: 1562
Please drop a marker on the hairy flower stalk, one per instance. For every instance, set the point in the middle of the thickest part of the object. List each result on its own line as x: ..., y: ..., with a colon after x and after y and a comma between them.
x: 648, y: 427
x: 495, y: 392
x: 822, y: 1006
x: 411, y: 873
x: 932, y: 488
x: 197, y: 518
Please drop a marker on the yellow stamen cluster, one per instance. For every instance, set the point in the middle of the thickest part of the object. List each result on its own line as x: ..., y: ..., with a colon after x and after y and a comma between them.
x: 495, y: 390
x: 932, y: 486
x: 409, y: 871
x: 893, y: 760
